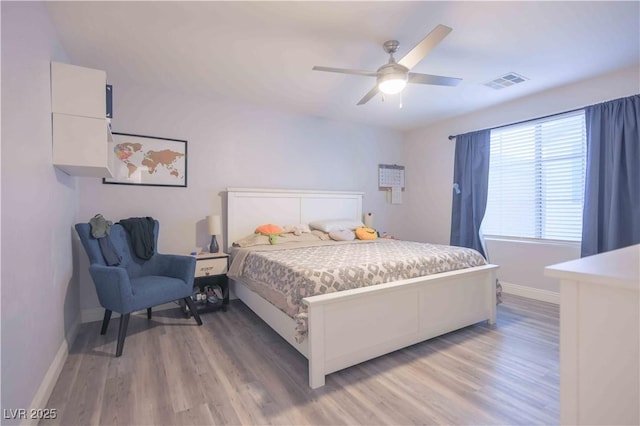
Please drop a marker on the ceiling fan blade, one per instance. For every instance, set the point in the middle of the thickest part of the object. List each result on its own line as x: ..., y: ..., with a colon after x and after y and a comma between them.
x: 433, y: 79
x: 432, y: 39
x: 346, y: 71
x: 369, y: 95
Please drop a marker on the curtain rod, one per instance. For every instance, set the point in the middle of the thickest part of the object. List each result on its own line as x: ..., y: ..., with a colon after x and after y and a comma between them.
x: 451, y: 137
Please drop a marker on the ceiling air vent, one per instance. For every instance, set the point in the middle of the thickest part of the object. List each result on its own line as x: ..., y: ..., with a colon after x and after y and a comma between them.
x: 506, y: 80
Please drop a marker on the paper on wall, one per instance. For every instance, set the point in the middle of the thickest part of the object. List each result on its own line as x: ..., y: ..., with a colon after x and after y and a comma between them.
x: 396, y: 195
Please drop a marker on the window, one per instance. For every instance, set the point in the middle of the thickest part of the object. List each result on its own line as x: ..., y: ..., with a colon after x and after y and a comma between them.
x: 536, y: 179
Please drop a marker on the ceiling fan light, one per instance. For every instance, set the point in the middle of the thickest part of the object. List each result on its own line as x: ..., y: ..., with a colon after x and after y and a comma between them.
x: 392, y: 86
x: 392, y: 78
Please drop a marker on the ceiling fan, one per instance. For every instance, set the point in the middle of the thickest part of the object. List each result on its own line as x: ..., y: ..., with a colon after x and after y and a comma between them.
x: 394, y: 76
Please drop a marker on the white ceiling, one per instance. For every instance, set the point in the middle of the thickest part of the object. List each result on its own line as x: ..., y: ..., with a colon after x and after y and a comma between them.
x: 262, y: 52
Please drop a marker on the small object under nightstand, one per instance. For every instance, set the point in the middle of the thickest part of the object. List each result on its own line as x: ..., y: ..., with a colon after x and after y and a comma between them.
x: 210, y: 284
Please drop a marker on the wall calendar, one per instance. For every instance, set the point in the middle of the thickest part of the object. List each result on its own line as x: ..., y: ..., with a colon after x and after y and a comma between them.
x: 390, y: 176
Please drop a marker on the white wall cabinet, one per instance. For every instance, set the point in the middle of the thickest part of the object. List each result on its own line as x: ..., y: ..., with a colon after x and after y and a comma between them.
x: 599, y: 341
x: 82, y: 140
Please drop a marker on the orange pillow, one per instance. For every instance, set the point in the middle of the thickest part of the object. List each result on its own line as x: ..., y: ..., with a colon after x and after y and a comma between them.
x: 268, y: 229
x: 364, y: 233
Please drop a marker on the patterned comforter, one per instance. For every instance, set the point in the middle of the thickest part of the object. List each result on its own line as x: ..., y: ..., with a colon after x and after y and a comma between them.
x: 286, y: 275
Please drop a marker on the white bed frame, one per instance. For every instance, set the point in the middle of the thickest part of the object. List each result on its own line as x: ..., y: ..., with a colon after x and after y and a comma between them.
x: 349, y: 327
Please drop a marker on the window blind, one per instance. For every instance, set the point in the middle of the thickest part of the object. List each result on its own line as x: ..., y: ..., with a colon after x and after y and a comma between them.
x: 536, y: 179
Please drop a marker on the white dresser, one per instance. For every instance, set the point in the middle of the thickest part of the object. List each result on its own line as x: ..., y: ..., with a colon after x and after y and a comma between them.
x: 600, y: 338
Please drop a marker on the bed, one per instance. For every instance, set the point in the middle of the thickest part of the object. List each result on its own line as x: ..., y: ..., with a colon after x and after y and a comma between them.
x: 347, y: 327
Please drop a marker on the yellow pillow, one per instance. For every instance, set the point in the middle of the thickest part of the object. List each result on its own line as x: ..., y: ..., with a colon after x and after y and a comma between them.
x: 364, y: 233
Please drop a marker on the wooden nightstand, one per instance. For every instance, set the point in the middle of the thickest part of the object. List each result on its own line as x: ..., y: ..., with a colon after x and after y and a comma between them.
x: 211, y: 271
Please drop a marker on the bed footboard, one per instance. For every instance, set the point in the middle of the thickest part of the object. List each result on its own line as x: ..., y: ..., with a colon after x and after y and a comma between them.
x: 352, y: 326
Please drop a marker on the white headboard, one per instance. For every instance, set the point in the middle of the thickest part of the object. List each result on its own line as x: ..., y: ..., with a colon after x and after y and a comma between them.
x: 249, y: 208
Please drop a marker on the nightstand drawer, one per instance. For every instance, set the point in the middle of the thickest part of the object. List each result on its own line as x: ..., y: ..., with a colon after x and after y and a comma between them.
x: 205, y: 267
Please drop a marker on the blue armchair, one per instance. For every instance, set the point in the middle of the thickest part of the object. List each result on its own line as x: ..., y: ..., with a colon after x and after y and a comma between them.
x: 136, y: 284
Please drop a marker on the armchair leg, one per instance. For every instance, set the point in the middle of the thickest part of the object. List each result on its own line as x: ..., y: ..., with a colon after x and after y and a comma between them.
x: 105, y: 321
x: 122, y: 333
x: 189, y: 301
x: 148, y: 313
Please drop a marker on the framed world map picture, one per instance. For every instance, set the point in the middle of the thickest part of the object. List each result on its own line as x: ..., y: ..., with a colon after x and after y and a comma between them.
x: 147, y: 160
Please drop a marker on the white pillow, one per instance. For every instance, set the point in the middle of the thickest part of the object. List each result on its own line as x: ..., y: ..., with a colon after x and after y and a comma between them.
x: 344, y: 235
x: 336, y: 224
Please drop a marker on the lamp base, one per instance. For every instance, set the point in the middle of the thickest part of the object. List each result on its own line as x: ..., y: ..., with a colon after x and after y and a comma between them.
x: 213, y: 248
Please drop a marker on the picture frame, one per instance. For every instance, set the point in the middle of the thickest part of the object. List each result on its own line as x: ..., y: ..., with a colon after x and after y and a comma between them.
x: 147, y: 161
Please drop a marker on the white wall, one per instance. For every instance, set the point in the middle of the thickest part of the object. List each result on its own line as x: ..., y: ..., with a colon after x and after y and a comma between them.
x: 522, y: 263
x: 40, y: 298
x: 234, y: 145
x: 429, y: 160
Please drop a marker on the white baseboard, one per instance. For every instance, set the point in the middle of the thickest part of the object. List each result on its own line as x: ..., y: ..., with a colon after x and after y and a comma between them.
x: 41, y: 398
x: 531, y: 292
x: 97, y: 314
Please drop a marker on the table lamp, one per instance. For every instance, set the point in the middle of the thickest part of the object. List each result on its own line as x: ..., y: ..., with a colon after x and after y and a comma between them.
x: 215, y: 228
x: 368, y: 220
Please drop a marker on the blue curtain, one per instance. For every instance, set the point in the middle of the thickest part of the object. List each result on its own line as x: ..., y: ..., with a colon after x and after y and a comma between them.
x: 470, y: 185
x: 611, y: 216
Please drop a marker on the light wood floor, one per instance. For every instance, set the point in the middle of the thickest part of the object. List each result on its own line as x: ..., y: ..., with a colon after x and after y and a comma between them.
x: 236, y: 370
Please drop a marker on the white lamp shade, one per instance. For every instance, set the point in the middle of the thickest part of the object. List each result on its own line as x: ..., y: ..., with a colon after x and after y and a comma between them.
x: 215, y: 225
x: 368, y: 220
x: 392, y: 86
